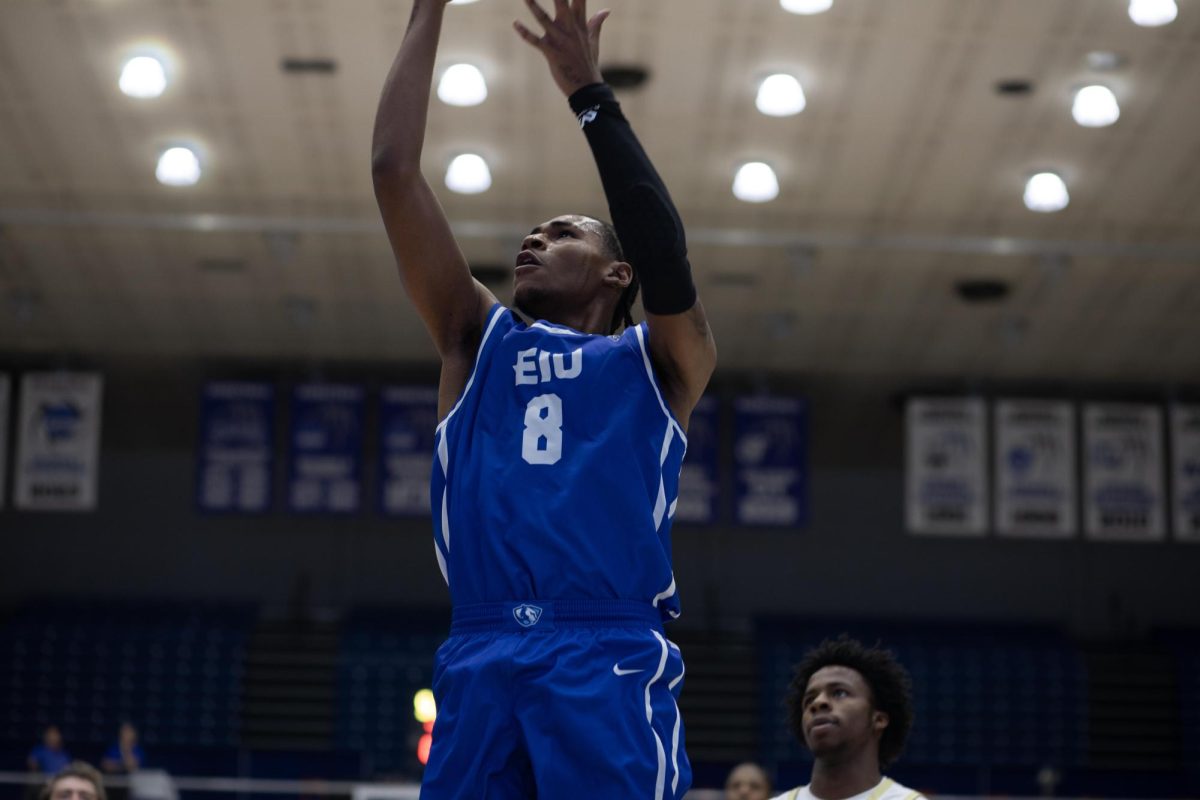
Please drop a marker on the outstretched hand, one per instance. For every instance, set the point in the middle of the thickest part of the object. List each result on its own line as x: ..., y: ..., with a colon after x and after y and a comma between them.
x: 571, y: 43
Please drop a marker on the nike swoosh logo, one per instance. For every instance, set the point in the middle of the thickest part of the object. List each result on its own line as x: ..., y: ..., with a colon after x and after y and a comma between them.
x: 618, y: 671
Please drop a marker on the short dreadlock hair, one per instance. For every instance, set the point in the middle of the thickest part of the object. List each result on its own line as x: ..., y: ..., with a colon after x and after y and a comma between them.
x: 888, y: 681
x: 623, y: 315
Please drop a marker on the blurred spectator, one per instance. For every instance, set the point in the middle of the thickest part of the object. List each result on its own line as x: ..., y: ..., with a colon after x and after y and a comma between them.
x: 747, y: 781
x: 126, y: 755
x: 49, y: 757
x: 78, y: 780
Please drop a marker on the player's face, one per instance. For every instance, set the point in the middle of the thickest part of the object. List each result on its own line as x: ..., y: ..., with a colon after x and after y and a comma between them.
x: 838, y: 715
x: 561, y: 266
x: 747, y: 782
x: 52, y: 738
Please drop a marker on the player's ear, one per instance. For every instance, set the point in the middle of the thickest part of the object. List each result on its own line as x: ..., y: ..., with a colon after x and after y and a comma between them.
x: 619, y: 274
x: 879, y: 721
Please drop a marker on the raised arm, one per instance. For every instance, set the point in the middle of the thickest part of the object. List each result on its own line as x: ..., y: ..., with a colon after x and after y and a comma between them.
x: 452, y: 304
x: 651, y: 233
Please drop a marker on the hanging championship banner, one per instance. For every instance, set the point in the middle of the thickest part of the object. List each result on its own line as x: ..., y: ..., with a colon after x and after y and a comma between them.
x: 699, y: 479
x: 1185, y: 449
x: 325, y: 456
x: 5, y: 393
x: 1123, y: 472
x: 58, y: 441
x: 1035, y: 468
x: 947, y: 488
x: 770, y: 447
x: 408, y: 418
x: 237, y: 436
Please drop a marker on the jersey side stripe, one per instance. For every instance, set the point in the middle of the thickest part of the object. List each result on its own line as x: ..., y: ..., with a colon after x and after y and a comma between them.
x: 637, y: 329
x: 675, y: 731
x: 665, y: 593
x: 666, y: 447
x: 496, y: 312
x: 443, y: 449
x: 661, y: 779
x: 660, y: 504
x: 443, y: 453
x: 445, y: 521
x: 441, y: 559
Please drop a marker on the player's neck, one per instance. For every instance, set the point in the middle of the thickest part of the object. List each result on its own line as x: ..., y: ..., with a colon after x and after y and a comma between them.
x: 834, y: 779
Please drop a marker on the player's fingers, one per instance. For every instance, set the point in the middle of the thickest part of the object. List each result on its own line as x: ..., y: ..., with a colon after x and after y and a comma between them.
x: 538, y: 14
x: 527, y: 35
x: 593, y: 28
x: 579, y: 7
x: 561, y: 9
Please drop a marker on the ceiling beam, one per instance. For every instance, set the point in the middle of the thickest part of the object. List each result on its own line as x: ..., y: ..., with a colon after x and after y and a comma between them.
x: 721, y: 237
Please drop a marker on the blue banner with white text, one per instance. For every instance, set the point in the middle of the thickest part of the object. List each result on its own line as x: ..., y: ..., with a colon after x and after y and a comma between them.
x: 770, y: 455
x: 325, y: 456
x: 407, y: 423
x: 236, y: 453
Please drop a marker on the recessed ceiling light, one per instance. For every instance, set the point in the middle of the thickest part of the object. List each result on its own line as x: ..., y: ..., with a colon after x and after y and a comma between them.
x: 755, y: 182
x: 468, y: 174
x: 780, y: 95
x: 462, y: 2
x: 1095, y: 107
x: 806, y: 6
x: 178, y: 166
x: 981, y: 290
x: 314, y: 66
x: 1014, y: 86
x: 1046, y: 193
x: 462, y: 85
x: 143, y: 77
x: 1152, y: 13
x: 625, y: 76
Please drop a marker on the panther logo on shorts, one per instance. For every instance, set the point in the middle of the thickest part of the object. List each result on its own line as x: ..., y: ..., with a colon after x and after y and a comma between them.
x: 526, y: 615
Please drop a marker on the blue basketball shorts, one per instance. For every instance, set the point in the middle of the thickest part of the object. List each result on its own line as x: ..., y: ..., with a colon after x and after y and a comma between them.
x: 556, y: 700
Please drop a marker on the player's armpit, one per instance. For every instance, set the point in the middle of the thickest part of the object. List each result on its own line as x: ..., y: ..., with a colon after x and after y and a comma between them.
x: 684, y: 356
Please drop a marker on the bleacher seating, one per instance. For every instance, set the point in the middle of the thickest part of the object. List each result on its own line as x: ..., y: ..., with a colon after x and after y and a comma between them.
x: 1184, y: 645
x: 386, y: 657
x: 989, y: 699
x: 174, y: 670
x: 982, y: 695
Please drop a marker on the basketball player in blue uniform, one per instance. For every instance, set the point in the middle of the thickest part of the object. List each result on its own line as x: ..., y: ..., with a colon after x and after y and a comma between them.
x: 556, y: 470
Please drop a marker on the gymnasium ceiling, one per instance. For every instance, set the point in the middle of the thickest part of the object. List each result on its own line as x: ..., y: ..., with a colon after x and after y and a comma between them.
x: 903, y: 176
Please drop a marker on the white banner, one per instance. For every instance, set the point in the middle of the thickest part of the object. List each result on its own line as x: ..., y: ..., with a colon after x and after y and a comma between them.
x: 58, y: 441
x: 1185, y: 484
x: 5, y: 393
x: 1123, y: 473
x: 1035, y: 468
x: 947, y: 490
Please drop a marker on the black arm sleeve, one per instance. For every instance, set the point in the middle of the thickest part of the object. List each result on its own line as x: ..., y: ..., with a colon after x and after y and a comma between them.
x: 647, y: 223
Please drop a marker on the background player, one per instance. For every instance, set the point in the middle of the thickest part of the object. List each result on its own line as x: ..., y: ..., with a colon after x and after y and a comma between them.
x: 558, y: 453
x: 851, y: 706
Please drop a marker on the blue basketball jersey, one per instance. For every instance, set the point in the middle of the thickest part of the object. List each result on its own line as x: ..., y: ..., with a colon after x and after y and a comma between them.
x: 556, y: 473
